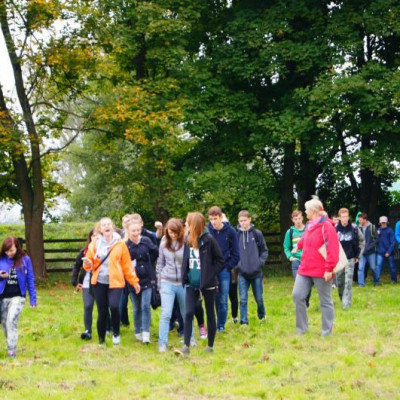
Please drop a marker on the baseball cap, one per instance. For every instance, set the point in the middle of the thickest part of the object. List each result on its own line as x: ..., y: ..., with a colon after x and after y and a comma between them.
x: 383, y: 219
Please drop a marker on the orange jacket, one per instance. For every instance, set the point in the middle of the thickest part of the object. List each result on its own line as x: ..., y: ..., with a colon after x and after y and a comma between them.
x: 119, y: 265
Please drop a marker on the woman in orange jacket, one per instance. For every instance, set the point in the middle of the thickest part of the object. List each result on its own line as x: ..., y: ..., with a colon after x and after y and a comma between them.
x: 109, y: 260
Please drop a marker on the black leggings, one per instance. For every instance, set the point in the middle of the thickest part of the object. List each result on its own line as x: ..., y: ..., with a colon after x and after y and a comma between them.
x: 191, y: 299
x: 233, y: 297
x: 107, y: 298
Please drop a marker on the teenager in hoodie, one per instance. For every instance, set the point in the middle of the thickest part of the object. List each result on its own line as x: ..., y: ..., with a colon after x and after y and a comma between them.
x: 202, y: 261
x: 352, y: 241
x: 16, y: 278
x: 314, y: 268
x: 385, y: 249
x: 369, y: 254
x: 226, y: 237
x: 109, y: 260
x: 253, y: 254
x: 143, y: 253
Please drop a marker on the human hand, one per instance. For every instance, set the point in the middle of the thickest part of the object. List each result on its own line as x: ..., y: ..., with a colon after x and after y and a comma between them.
x: 295, y: 249
x: 87, y: 261
x: 291, y: 259
x: 137, y: 289
x: 79, y: 287
x: 328, y: 276
x: 3, y: 274
x: 158, y: 225
x: 387, y: 255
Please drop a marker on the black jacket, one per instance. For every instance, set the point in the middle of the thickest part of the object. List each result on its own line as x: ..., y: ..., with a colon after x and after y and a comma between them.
x: 211, y: 262
x: 145, y: 253
x: 78, y: 273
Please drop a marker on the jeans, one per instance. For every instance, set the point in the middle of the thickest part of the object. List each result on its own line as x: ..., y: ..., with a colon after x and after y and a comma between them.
x: 380, y: 259
x: 371, y: 258
x: 344, y: 283
x: 257, y: 287
x: 295, y: 267
x: 11, y: 310
x: 224, y: 279
x: 169, y: 292
x: 302, y: 286
x: 141, y: 310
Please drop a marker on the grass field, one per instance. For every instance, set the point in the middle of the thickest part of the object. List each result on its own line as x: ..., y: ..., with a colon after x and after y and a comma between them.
x: 264, y: 361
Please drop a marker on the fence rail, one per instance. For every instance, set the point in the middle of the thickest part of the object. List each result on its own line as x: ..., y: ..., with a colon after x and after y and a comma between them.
x: 67, y: 254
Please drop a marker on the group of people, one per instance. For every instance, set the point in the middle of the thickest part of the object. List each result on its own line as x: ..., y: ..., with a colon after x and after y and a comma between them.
x: 194, y: 261
x: 188, y: 261
x: 362, y: 244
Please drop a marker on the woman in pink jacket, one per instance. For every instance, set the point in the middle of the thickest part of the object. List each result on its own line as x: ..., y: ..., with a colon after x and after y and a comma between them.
x: 315, y: 269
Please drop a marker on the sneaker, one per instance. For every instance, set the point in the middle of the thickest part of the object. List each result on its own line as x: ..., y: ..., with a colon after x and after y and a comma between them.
x: 138, y: 336
x: 116, y: 340
x: 11, y: 354
x: 108, y: 333
x: 221, y: 329
x: 244, y: 324
x: 146, y: 337
x: 203, y: 332
x: 235, y: 320
x: 262, y: 320
x: 193, y: 342
x: 209, y: 349
x: 183, y: 351
x: 162, y: 348
x: 86, y: 335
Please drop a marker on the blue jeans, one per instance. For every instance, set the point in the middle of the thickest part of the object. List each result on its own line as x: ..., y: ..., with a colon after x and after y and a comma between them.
x: 380, y: 259
x: 168, y: 293
x: 295, y: 267
x: 257, y: 287
x: 141, y: 310
x: 371, y: 258
x: 224, y: 279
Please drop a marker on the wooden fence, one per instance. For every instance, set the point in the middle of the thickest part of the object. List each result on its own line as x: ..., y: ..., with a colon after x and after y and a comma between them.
x: 64, y: 251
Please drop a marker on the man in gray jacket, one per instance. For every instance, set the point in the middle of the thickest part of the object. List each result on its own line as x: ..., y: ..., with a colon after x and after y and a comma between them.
x: 253, y: 254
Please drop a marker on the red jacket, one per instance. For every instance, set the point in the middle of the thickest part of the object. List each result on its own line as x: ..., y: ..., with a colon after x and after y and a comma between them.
x: 312, y: 263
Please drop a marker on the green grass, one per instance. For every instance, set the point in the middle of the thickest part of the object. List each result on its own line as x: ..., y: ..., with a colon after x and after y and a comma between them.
x: 360, y: 361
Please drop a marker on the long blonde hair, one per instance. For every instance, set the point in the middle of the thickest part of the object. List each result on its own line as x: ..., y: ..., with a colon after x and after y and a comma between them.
x: 196, y: 224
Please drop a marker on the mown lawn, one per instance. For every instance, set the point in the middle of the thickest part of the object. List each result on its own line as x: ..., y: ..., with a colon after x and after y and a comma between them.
x: 361, y: 360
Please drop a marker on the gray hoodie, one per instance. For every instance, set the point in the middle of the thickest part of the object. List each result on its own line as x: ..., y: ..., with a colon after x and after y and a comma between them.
x: 169, y: 264
x: 253, y: 253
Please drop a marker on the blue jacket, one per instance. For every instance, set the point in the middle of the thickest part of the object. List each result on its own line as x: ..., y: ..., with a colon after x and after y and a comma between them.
x: 397, y: 233
x: 227, y: 240
x: 26, y: 277
x: 386, y: 240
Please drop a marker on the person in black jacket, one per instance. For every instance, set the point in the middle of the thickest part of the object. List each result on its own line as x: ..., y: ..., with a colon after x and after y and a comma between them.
x: 202, y: 261
x: 143, y: 253
x: 80, y: 279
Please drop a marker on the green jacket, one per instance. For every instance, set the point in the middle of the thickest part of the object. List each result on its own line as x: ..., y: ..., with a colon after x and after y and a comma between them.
x: 288, y: 244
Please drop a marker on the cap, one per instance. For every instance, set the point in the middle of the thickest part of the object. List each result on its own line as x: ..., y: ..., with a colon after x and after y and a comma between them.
x: 383, y: 219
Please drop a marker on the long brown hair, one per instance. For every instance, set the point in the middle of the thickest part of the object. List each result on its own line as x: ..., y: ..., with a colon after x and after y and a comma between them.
x: 176, y: 226
x: 196, y: 224
x: 7, y: 244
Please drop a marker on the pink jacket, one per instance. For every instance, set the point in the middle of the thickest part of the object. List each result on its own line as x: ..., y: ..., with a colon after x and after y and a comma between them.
x: 312, y: 263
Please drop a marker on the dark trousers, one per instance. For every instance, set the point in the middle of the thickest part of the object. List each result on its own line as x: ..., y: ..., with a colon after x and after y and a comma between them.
x: 192, y: 298
x: 199, y: 312
x: 107, y: 298
x: 233, y: 297
x: 123, y: 306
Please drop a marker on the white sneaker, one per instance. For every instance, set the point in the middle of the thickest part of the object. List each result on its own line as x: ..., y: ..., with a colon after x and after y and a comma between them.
x: 162, y: 348
x: 146, y: 337
x: 116, y: 340
x: 138, y: 336
x: 193, y: 342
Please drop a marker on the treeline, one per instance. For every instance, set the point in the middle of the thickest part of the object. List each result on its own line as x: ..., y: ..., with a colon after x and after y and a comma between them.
x: 179, y: 105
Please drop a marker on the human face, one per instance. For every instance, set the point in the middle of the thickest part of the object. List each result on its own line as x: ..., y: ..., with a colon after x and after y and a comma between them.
x: 344, y: 218
x: 362, y: 221
x: 298, y: 220
x: 11, y: 251
x: 134, y: 231
x: 173, y: 235
x: 311, y: 213
x: 245, y: 223
x: 94, y: 237
x: 216, y: 221
x: 106, y: 227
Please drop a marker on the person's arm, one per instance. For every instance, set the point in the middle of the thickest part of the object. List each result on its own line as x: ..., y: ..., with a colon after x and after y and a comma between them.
x: 126, y: 264
x: 332, y: 247
x: 76, y: 269
x: 234, y: 251
x: 392, y: 241
x: 218, y: 258
x: 30, y: 280
x: 90, y: 254
x: 263, y: 250
x: 159, y: 229
x: 160, y: 263
x: 287, y: 246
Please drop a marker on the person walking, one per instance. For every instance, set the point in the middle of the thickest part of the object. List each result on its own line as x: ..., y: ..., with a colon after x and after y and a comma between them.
x: 109, y: 261
x: 16, y: 278
x: 385, y: 249
x: 314, y: 268
x: 202, y: 261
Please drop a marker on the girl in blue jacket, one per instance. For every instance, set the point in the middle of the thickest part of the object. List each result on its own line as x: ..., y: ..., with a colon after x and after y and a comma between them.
x: 16, y: 276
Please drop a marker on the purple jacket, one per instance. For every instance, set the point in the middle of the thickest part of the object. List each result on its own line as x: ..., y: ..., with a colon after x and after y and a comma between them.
x: 26, y: 277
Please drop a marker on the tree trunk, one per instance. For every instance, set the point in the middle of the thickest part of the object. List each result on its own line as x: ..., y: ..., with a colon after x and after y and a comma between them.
x: 286, y: 193
x: 29, y: 179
